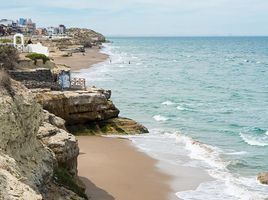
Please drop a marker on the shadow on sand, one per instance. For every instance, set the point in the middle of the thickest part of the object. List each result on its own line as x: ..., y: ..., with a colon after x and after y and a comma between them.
x: 95, y: 193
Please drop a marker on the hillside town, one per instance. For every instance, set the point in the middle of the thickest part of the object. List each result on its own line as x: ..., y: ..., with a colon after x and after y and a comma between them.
x: 44, y: 101
x: 44, y: 55
x: 28, y: 27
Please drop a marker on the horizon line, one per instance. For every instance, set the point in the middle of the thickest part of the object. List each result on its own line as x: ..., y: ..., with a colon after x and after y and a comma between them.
x: 186, y: 35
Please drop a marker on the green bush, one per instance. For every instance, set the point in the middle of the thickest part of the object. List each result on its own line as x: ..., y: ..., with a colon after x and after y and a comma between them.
x: 63, y: 177
x: 37, y: 56
x: 8, y: 57
x: 5, y: 41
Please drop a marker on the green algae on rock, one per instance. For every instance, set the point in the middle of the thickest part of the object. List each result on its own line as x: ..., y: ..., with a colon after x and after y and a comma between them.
x: 116, y: 126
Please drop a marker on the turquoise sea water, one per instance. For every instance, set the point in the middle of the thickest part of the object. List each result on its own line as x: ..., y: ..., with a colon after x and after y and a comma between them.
x: 212, y: 90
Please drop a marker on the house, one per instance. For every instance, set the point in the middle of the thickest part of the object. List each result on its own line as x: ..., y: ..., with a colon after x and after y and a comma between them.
x: 6, y: 22
x: 62, y: 29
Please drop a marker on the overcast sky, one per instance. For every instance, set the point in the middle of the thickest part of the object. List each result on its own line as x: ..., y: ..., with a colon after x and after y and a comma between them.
x: 147, y: 17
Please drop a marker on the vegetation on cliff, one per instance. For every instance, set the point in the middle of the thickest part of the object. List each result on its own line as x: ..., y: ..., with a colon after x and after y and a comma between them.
x: 63, y: 177
x: 86, y: 37
x: 8, y: 57
x: 5, y: 82
x: 37, y: 56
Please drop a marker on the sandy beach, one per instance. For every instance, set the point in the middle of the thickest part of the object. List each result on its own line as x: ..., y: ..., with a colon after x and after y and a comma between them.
x: 81, y: 61
x: 112, y: 168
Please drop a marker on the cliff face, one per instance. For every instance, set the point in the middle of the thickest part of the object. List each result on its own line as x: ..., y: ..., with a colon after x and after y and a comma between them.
x: 32, y: 162
x: 78, y: 107
x: 26, y: 164
x: 88, y: 112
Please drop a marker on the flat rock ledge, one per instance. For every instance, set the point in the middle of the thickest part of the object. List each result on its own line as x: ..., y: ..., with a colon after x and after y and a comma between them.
x: 89, y: 112
x: 114, y: 126
x: 77, y: 107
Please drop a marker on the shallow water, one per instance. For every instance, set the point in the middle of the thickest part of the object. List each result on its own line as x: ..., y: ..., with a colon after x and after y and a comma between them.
x: 210, y: 90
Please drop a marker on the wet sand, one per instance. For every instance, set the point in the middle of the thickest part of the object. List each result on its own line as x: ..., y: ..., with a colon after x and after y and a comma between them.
x: 111, y: 168
x: 82, y: 61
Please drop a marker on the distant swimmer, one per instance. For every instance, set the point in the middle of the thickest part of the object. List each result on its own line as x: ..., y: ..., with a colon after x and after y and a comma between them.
x: 110, y: 61
x: 129, y: 62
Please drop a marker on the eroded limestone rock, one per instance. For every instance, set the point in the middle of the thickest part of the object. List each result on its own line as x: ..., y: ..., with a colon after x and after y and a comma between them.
x: 263, y: 178
x: 32, y: 162
x: 63, y: 144
x: 26, y: 164
x: 78, y: 107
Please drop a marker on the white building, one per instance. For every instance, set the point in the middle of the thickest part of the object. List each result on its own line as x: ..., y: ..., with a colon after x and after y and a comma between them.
x: 31, y: 48
x: 6, y: 22
x: 52, y: 31
x: 38, y: 48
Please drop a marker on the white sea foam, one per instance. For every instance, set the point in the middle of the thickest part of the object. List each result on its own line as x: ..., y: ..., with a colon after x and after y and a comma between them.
x: 180, y: 108
x: 266, y: 133
x: 227, y: 185
x: 255, y: 140
x: 201, y: 151
x: 237, y: 153
x: 160, y: 118
x: 168, y: 103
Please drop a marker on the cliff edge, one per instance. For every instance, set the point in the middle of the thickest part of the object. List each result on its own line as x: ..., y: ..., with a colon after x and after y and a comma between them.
x: 88, y: 112
x: 31, y: 167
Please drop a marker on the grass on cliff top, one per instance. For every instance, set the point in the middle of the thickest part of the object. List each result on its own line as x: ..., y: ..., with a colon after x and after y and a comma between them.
x: 37, y: 56
x: 5, y: 41
x: 64, y: 178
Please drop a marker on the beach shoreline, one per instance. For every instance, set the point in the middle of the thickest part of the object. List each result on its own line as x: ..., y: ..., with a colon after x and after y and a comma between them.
x: 112, y: 168
x: 108, y: 173
x: 85, y: 60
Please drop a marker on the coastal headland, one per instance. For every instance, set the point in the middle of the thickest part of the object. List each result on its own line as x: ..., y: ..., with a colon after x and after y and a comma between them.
x: 51, y: 138
x: 45, y: 118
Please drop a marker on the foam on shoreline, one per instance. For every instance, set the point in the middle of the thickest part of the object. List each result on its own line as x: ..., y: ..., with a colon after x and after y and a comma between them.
x: 225, y: 185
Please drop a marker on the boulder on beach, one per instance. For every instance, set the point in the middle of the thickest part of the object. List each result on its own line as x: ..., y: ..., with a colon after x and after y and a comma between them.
x: 263, y: 178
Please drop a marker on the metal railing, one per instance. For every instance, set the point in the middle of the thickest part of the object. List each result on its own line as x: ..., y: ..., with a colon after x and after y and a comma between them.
x: 78, y: 83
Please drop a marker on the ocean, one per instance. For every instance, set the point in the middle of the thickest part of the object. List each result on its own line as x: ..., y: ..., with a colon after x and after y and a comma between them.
x: 201, y: 97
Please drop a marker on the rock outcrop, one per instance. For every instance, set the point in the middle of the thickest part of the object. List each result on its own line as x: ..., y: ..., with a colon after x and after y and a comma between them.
x: 78, y: 107
x: 263, y: 178
x: 31, y: 161
x: 116, y: 126
x: 85, y: 36
x: 89, y: 112
x: 27, y: 165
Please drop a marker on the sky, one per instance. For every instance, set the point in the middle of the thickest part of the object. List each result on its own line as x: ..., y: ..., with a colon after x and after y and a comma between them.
x: 147, y: 17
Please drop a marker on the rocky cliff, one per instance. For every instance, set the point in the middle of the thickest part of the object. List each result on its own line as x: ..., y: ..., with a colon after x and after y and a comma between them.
x: 33, y: 167
x: 88, y: 112
x: 84, y: 36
